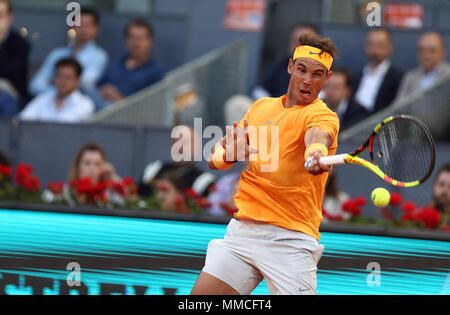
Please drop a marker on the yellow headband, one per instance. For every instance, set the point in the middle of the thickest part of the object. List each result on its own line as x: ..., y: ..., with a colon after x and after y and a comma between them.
x: 314, y: 53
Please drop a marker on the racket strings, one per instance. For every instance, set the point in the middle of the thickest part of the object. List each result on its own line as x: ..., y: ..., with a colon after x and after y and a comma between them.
x: 402, y: 150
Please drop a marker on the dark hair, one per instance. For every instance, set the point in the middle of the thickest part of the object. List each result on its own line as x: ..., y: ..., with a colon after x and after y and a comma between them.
x: 309, y: 25
x: 4, y: 160
x: 8, y: 5
x: 344, y: 72
x: 70, y: 62
x: 92, y: 12
x: 324, y: 44
x: 74, y: 168
x: 140, y: 22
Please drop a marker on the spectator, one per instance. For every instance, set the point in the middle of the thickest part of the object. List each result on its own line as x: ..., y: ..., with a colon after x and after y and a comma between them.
x: 236, y: 107
x: 432, y: 65
x: 66, y: 103
x: 337, y: 94
x: 14, y: 52
x: 441, y: 190
x: 91, y: 162
x: 275, y: 80
x: 377, y: 84
x: 333, y: 200
x: 195, y: 178
x: 9, y: 106
x: 135, y: 71
x: 170, y: 197
x: 92, y: 58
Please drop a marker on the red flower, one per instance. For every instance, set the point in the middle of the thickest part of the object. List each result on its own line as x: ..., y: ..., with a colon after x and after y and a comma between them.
x: 408, y: 207
x: 191, y: 193
x: 128, y: 181
x: 352, y: 207
x: 6, y: 170
x: 23, y: 173
x: 409, y: 216
x: 396, y: 199
x: 55, y: 187
x: 361, y: 201
x: 430, y: 217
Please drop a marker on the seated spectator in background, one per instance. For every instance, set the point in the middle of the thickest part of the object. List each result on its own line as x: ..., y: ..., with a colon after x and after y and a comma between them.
x: 441, y: 191
x: 333, y: 200
x: 91, y: 162
x: 135, y: 71
x: 65, y: 103
x: 92, y: 58
x: 14, y: 52
x: 431, y: 55
x: 170, y: 197
x: 195, y: 178
x: 376, y: 86
x: 9, y: 100
x: 337, y: 94
x: 236, y: 107
x: 275, y: 80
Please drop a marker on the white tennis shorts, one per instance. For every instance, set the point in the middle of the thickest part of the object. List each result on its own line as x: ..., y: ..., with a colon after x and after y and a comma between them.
x: 251, y: 251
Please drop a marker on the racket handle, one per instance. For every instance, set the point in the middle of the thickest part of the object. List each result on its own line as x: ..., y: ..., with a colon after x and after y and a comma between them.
x: 334, y: 159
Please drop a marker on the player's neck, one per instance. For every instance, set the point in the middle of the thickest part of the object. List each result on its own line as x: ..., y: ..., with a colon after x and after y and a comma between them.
x: 291, y: 101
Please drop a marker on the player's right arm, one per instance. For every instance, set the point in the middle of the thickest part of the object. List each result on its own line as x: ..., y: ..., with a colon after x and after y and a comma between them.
x: 231, y: 148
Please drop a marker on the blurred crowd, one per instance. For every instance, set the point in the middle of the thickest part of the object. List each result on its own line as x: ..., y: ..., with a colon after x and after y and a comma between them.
x: 78, y: 80
x: 74, y: 81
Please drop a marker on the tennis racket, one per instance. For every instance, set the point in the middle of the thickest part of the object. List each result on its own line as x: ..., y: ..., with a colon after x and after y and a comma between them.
x: 402, y: 152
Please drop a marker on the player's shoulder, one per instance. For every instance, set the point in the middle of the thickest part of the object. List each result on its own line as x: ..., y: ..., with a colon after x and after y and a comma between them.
x: 321, y: 107
x: 265, y: 102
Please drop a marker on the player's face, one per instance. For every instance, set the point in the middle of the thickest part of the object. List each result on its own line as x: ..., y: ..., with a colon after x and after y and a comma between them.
x: 430, y: 51
x: 167, y: 197
x: 336, y: 90
x: 139, y: 41
x: 66, y: 80
x: 378, y: 47
x: 5, y: 18
x: 91, y: 165
x: 87, y: 30
x: 307, y: 78
x: 441, y: 188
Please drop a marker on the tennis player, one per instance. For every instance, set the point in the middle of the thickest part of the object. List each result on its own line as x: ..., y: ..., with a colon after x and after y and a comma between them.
x: 275, y: 232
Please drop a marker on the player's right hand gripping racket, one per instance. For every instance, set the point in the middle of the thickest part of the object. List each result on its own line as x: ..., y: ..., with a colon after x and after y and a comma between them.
x: 401, y: 149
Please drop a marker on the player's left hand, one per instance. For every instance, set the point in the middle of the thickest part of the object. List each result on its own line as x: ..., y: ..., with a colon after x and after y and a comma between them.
x: 313, y: 164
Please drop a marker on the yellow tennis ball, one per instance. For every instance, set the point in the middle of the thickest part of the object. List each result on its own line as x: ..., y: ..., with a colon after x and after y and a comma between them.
x: 380, y: 197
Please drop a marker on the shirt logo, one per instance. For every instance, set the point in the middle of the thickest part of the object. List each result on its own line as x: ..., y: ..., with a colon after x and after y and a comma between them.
x: 271, y: 122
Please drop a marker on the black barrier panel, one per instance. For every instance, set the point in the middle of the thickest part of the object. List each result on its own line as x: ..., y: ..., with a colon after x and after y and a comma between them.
x: 51, y: 148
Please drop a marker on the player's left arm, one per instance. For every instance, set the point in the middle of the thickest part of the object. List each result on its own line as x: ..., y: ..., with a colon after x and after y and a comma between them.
x: 317, y: 141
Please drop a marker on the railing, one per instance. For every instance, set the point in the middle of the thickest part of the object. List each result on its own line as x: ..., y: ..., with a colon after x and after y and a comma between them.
x: 199, y: 88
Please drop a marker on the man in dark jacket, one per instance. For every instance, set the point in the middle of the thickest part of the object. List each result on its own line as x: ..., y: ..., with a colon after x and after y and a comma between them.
x: 377, y: 84
x: 14, y: 52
